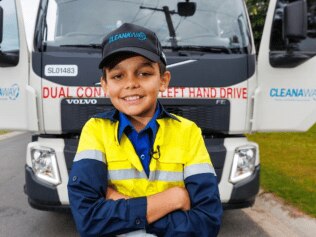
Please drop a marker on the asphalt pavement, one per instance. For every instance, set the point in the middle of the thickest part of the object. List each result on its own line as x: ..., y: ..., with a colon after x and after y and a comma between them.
x: 268, y: 217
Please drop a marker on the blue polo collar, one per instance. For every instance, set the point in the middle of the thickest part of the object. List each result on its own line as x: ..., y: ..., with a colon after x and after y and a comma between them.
x: 126, y: 125
x: 114, y: 114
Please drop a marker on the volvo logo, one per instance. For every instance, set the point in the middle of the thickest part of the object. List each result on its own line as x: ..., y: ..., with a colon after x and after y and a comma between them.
x: 82, y: 101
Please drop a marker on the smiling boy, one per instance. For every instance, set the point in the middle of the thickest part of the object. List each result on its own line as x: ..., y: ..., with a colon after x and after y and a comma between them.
x: 139, y: 170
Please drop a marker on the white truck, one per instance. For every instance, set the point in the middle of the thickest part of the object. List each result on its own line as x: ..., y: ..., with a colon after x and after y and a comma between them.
x: 49, y: 80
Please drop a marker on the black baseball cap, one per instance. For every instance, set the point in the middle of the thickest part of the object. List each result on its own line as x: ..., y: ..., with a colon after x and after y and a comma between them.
x: 133, y: 39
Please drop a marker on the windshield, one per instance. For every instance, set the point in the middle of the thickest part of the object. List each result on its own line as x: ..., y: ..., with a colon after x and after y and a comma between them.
x: 213, y: 23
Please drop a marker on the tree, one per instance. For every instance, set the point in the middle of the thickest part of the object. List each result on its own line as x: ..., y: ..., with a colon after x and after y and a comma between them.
x: 257, y: 13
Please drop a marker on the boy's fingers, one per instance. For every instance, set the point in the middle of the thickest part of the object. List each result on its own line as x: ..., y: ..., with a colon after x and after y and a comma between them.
x: 114, y: 195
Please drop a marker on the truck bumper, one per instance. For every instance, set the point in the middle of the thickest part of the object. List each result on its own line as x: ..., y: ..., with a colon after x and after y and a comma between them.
x: 244, y: 193
x: 41, y: 195
x: 45, y: 196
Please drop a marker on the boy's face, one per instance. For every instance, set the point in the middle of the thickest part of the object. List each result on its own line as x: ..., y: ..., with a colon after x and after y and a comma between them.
x: 133, y: 85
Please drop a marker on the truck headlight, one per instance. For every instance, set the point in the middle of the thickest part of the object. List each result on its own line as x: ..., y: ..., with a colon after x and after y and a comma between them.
x: 44, y: 164
x: 243, y: 163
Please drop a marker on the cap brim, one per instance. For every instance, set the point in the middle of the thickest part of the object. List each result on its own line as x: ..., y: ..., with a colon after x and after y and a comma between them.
x: 143, y: 52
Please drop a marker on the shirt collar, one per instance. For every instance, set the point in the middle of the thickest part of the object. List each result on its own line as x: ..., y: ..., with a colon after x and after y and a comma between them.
x: 113, y: 114
x: 126, y: 124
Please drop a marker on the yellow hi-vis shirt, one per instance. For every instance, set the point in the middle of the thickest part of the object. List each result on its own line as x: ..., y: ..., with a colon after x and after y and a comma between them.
x: 178, y: 152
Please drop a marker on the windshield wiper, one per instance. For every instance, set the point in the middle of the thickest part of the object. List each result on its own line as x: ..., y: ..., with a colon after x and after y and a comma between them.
x: 168, y: 13
x: 95, y: 46
x: 209, y: 49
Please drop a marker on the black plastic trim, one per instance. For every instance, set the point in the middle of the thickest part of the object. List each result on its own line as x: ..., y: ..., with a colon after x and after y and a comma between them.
x: 35, y: 137
x: 217, y: 151
x: 9, y: 59
x: 41, y: 195
x: 70, y: 150
x: 287, y: 59
x: 208, y: 70
x: 244, y: 192
x: 210, y: 116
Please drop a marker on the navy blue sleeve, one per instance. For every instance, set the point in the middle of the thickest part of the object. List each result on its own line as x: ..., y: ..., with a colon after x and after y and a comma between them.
x: 93, y: 214
x: 204, y: 217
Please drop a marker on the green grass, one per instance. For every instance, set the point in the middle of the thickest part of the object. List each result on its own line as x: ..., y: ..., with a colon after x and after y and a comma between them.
x: 2, y: 132
x: 288, y: 167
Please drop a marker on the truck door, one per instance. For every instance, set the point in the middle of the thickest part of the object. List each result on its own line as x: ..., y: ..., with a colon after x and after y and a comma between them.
x: 285, y: 99
x: 17, y: 98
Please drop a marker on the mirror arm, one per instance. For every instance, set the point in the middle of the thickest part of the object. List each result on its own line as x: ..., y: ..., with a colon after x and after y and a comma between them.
x: 1, y: 24
x: 172, y: 32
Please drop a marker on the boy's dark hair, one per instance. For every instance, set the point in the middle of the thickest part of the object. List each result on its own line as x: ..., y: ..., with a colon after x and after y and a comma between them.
x: 125, y: 55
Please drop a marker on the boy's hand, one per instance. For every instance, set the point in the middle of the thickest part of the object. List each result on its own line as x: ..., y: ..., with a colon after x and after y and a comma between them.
x: 112, y: 194
x: 179, y: 197
x: 184, y: 198
x: 161, y: 204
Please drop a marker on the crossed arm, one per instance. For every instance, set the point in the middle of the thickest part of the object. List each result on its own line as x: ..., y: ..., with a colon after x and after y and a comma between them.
x: 160, y: 204
x: 98, y: 210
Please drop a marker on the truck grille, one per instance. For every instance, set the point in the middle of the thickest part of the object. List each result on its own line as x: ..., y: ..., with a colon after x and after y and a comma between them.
x: 210, y: 114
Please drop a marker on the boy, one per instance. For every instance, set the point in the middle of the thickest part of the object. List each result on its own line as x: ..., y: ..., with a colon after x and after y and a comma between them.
x: 140, y: 171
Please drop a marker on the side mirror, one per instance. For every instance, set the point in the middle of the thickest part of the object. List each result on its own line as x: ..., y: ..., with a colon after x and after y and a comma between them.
x: 294, y: 30
x: 8, y: 58
x: 186, y: 8
x: 295, y: 21
x: 1, y: 24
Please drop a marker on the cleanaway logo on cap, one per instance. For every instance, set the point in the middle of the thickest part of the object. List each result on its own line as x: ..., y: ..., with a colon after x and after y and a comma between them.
x: 127, y: 35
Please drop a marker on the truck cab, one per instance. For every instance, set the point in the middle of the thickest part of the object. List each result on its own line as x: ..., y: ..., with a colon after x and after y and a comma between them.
x: 50, y: 80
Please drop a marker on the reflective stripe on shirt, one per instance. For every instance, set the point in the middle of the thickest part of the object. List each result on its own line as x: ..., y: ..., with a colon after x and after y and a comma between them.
x: 198, y: 169
x: 159, y: 175
x: 169, y: 176
x: 124, y: 174
x: 155, y: 175
x: 90, y: 154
